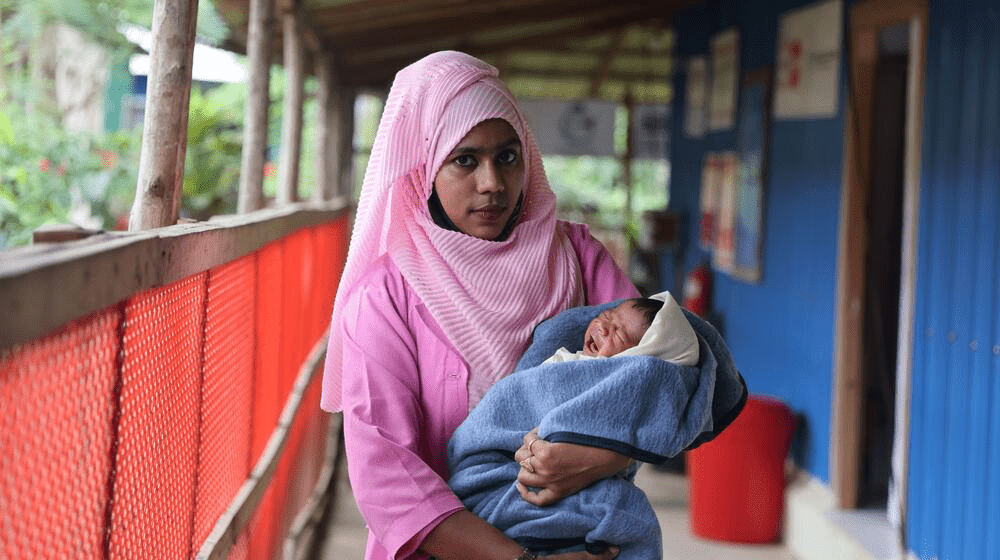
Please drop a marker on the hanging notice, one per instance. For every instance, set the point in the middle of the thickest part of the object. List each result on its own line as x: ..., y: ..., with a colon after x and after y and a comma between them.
x: 650, y: 130
x: 725, y: 79
x: 808, y: 73
x: 572, y: 128
x: 696, y: 97
x: 709, y: 203
x: 725, y: 237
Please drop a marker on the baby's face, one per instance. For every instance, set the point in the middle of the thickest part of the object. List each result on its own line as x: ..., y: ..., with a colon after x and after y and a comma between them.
x: 615, y: 330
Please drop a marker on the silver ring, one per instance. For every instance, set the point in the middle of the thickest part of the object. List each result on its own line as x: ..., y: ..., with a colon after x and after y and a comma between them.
x: 527, y: 465
x: 532, y: 442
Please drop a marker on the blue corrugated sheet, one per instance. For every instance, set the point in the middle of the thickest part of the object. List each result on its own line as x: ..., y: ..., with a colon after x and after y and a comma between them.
x: 954, y: 497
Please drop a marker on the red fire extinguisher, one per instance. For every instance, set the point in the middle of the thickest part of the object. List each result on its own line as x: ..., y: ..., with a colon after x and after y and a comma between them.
x: 697, y: 286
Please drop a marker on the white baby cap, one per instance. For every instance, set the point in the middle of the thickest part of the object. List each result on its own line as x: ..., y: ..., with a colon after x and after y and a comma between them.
x: 669, y: 337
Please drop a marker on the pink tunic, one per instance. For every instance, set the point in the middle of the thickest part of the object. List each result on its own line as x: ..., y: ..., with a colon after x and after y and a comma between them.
x: 405, y: 391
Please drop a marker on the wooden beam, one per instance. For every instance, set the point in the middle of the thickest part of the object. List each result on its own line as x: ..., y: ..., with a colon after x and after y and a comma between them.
x: 429, y: 16
x: 376, y: 66
x: 43, y: 287
x: 291, y: 122
x: 164, y: 135
x: 458, y: 28
x: 251, y: 194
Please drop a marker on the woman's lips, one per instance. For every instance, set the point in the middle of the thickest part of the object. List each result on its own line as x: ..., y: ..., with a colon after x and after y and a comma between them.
x: 490, y: 213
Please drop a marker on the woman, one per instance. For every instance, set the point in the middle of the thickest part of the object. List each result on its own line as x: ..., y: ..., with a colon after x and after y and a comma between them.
x: 456, y: 255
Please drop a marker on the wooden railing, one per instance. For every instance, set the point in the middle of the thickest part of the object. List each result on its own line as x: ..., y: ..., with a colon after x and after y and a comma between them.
x: 160, y: 390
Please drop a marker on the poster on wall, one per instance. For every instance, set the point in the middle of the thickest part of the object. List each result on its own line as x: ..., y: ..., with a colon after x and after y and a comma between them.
x: 650, y: 130
x: 725, y: 236
x: 696, y: 97
x: 752, y: 148
x: 709, y: 201
x: 572, y: 128
x: 725, y: 79
x: 808, y: 73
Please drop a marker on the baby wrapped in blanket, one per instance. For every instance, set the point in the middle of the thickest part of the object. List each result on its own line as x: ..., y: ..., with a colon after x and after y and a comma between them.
x: 673, y: 389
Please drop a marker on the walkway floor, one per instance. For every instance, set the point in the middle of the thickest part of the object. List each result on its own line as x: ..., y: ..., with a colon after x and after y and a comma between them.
x: 667, y: 492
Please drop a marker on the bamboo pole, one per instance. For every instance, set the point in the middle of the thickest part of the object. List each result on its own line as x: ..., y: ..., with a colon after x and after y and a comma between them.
x: 164, y: 135
x: 251, y: 195
x: 291, y: 125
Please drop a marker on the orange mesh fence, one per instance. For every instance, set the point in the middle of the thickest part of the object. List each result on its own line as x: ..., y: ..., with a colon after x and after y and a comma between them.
x: 128, y: 433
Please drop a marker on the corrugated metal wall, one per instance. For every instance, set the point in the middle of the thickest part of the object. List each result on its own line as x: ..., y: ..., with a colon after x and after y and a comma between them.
x: 779, y: 330
x: 954, y: 479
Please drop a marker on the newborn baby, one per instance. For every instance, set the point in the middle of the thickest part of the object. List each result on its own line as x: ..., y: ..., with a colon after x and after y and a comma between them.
x: 653, y: 326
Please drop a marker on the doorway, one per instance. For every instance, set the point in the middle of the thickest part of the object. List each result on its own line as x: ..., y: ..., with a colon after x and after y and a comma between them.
x: 877, y: 254
x: 882, y: 267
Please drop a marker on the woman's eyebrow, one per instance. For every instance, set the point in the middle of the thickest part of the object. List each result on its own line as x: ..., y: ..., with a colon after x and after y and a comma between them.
x: 476, y: 150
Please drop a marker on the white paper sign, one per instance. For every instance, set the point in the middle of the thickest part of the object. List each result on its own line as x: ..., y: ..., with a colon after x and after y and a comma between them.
x: 725, y: 79
x: 650, y: 130
x: 572, y: 128
x: 696, y: 97
x: 808, y: 76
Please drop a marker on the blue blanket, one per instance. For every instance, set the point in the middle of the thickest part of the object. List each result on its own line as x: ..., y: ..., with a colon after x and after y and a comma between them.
x: 640, y: 406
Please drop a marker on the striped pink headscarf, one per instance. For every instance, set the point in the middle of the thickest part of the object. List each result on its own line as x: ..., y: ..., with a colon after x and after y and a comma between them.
x: 486, y: 295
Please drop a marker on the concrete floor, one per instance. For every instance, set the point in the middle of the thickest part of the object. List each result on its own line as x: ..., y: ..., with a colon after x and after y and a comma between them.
x: 667, y: 492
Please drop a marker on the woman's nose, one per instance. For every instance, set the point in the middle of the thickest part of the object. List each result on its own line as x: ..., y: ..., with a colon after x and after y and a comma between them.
x: 490, y: 180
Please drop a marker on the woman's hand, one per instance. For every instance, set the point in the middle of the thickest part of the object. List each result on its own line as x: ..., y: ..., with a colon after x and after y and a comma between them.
x: 561, y: 469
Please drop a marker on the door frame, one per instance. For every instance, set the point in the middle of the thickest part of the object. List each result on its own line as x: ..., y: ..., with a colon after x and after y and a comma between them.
x: 867, y: 18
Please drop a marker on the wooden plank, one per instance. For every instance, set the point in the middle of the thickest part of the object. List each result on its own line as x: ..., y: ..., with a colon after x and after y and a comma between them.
x: 306, y: 531
x: 251, y: 194
x: 237, y: 516
x: 164, y: 135
x: 44, y: 287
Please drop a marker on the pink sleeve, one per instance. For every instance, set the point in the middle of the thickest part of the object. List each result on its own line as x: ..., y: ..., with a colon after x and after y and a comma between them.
x: 400, y: 496
x: 603, y: 281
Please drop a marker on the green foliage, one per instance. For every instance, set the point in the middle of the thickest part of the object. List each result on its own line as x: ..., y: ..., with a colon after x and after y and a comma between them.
x: 6, y: 130
x: 50, y: 176
x: 211, y: 176
x: 590, y: 189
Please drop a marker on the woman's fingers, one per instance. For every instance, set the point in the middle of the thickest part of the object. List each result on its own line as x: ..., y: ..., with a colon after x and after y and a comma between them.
x: 543, y: 497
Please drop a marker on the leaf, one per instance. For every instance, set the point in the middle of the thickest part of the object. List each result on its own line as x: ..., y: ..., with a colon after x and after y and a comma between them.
x: 6, y: 130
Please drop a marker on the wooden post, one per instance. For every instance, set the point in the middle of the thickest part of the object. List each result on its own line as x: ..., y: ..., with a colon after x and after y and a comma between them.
x: 251, y: 195
x: 327, y: 154
x: 291, y: 125
x: 345, y: 141
x: 164, y: 135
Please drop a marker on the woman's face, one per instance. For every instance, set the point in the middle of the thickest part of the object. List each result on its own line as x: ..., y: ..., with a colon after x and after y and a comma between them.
x: 481, y: 179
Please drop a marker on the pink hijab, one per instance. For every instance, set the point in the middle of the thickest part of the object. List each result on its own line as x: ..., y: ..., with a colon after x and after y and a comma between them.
x: 486, y: 295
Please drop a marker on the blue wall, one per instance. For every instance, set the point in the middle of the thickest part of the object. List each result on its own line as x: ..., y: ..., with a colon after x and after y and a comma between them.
x: 781, y: 331
x: 955, y: 419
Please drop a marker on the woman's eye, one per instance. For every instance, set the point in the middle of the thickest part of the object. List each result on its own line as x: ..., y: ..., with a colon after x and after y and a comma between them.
x: 465, y: 161
x: 507, y: 157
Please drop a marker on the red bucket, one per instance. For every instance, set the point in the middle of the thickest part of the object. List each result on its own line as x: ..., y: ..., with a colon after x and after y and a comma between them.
x: 737, y: 480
